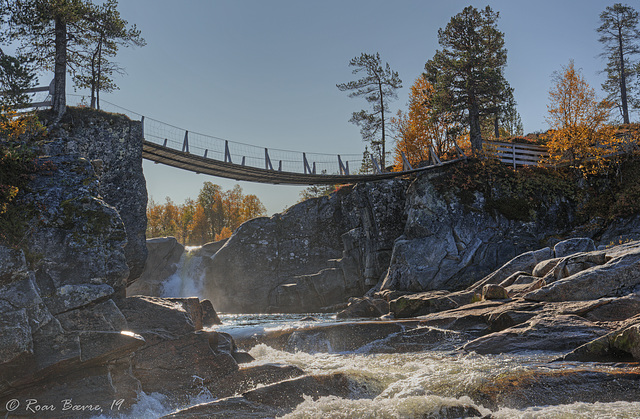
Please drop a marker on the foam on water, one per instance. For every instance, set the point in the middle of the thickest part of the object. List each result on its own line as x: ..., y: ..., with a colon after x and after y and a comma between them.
x: 189, y: 278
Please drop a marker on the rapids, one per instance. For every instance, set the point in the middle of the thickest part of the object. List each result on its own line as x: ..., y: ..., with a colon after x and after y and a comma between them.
x: 419, y: 384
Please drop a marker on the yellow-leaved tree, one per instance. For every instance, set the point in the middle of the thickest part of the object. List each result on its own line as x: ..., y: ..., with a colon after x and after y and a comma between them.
x: 421, y: 127
x: 579, y: 132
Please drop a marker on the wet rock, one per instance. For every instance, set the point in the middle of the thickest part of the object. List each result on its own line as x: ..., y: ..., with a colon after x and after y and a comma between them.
x: 622, y: 344
x: 176, y: 350
x: 572, y: 246
x: 567, y: 385
x: 554, y: 333
x: 209, y: 315
x: 364, y: 307
x: 250, y: 377
x: 414, y: 305
x: 162, y: 261
x: 483, y: 317
x: 331, y: 338
x: 232, y: 407
x: 289, y: 393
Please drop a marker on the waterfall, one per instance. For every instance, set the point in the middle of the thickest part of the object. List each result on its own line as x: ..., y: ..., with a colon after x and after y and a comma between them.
x: 188, y: 280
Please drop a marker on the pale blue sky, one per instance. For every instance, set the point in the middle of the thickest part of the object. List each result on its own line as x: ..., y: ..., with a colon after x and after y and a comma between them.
x: 264, y: 71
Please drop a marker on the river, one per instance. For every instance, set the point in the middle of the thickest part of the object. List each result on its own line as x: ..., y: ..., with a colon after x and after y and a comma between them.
x: 418, y: 384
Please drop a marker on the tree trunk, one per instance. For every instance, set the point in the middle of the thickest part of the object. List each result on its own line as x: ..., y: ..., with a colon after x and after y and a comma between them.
x: 623, y: 81
x: 475, y: 135
x: 59, y: 100
x: 496, y: 127
x: 384, y: 152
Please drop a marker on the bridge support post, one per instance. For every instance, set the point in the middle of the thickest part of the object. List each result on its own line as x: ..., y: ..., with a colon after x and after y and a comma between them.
x: 165, y: 143
x: 314, y: 168
x: 376, y: 166
x: 185, y: 143
x: 227, y: 154
x: 244, y: 158
x: 434, y: 157
x: 280, y: 166
x: 267, y: 160
x: 405, y: 163
x: 307, y: 168
x: 343, y: 169
x: 206, y: 150
x: 142, y: 123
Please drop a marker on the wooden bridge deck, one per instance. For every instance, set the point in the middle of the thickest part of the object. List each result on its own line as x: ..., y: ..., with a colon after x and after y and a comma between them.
x: 199, y: 164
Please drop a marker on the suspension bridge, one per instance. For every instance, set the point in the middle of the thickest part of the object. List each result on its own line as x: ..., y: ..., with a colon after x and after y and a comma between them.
x: 205, y: 154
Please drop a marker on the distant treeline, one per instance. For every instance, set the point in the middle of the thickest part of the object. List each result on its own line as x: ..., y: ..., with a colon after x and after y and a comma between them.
x: 213, y: 216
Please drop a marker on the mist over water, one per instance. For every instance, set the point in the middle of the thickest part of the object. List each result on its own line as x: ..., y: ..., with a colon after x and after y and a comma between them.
x: 189, y: 278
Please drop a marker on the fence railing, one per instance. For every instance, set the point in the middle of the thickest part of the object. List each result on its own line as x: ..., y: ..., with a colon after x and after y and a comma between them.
x: 517, y: 154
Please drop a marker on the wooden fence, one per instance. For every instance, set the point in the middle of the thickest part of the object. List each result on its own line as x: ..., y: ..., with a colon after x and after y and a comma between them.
x: 517, y: 154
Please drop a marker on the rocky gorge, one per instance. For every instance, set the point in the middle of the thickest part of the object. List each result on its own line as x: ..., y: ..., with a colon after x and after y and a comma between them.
x: 444, y: 306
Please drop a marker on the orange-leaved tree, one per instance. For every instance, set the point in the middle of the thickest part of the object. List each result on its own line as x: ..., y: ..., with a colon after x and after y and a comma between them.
x: 579, y: 131
x: 421, y: 127
x: 213, y: 216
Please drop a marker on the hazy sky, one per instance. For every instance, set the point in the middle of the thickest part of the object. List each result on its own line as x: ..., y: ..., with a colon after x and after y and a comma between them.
x: 264, y: 72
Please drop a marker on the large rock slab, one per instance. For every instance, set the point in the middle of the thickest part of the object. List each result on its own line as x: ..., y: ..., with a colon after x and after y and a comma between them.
x: 619, y: 276
x: 318, y: 253
x: 448, y: 245
x: 564, y: 386
x: 555, y: 333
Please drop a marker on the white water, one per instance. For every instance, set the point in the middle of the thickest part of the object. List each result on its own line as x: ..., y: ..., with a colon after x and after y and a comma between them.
x: 398, y: 386
x: 401, y: 385
x: 189, y: 278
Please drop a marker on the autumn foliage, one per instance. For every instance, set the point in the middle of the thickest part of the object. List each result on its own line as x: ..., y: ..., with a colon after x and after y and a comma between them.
x: 212, y: 217
x: 578, y: 120
x: 421, y: 127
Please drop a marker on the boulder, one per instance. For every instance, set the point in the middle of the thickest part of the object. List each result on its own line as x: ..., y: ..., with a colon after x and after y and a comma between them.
x: 619, y: 276
x: 555, y: 333
x: 364, y: 307
x: 164, y: 253
x: 520, y: 389
x: 494, y: 292
x: 572, y: 246
x: 414, y: 305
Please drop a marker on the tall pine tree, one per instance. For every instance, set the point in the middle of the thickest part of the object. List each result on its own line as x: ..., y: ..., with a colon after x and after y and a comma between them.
x: 467, y: 73
x: 620, y: 36
x: 378, y: 86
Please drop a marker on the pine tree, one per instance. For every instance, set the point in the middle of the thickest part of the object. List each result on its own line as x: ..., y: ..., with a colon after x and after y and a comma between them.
x: 620, y: 36
x: 467, y: 73
x: 378, y: 87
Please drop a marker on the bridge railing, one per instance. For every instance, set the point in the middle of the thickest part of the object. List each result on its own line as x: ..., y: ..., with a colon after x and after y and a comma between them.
x: 517, y: 154
x: 221, y: 149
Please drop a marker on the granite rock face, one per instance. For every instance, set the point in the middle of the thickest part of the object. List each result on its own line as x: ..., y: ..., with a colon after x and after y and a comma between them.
x: 113, y: 143
x: 448, y: 246
x: 318, y: 253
